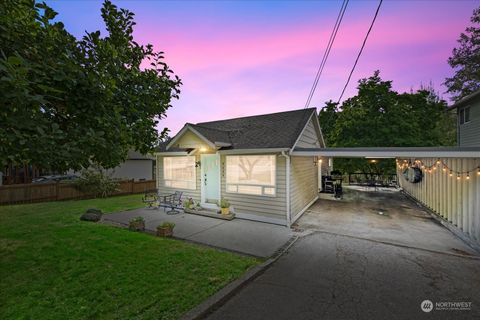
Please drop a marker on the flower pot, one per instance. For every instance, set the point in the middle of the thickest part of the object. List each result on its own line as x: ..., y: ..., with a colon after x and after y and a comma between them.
x: 137, y: 226
x: 164, y: 232
x: 225, y: 210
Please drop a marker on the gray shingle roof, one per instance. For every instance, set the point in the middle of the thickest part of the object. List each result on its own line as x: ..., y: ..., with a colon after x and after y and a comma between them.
x: 274, y: 130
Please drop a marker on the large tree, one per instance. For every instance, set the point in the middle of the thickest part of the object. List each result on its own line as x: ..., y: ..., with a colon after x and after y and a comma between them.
x: 68, y: 103
x: 378, y: 116
x: 465, y: 61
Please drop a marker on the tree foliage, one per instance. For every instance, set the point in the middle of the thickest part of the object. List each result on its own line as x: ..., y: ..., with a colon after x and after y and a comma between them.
x: 378, y: 116
x: 465, y: 61
x: 68, y: 103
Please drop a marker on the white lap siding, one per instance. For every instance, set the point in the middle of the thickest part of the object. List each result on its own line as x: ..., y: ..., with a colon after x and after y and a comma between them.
x: 303, y: 183
x: 265, y: 208
x: 187, y: 193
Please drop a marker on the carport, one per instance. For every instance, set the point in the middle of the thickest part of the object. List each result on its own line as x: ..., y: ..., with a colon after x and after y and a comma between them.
x: 449, y: 187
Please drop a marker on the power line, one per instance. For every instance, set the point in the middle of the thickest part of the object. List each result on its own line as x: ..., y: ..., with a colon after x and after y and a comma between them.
x: 361, y: 50
x: 327, y: 51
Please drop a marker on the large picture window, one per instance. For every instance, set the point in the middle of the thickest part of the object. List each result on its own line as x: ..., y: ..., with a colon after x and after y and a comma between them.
x: 179, y: 172
x: 251, y: 175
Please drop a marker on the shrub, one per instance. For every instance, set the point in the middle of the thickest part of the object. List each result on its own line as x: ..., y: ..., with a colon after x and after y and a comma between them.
x: 96, y: 182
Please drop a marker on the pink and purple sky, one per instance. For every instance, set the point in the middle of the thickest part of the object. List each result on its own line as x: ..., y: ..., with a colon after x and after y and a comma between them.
x: 239, y: 58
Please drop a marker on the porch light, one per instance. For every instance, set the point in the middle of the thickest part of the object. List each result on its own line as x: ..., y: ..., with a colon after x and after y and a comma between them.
x: 458, y: 177
x: 468, y: 176
x: 203, y: 149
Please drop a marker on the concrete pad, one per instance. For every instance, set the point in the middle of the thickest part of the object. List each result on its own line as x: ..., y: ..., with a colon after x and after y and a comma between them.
x: 243, y: 236
x: 251, y: 237
x: 401, y: 221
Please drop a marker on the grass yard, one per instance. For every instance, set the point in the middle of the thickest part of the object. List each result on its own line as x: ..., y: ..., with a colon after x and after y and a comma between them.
x: 54, y: 266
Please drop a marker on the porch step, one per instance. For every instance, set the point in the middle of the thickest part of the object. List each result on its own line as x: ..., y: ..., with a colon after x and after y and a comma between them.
x: 211, y: 214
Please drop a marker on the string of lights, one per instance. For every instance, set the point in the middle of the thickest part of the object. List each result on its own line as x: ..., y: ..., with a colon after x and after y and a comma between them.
x: 437, y: 165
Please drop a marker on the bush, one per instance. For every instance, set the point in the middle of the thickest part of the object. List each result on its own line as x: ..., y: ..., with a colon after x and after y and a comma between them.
x: 96, y: 182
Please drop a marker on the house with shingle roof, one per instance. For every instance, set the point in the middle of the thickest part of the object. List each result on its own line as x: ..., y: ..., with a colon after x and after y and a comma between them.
x: 249, y: 162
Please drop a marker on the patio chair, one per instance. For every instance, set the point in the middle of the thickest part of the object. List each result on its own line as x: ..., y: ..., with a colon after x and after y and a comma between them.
x: 173, y: 201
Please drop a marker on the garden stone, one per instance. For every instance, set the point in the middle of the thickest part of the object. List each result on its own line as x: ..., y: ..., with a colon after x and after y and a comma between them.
x: 91, y: 216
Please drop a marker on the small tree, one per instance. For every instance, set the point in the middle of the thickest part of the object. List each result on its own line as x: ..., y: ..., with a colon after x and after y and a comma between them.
x: 465, y: 61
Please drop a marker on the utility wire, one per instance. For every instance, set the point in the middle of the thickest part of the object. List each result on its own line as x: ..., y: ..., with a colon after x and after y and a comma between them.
x: 327, y: 51
x: 361, y: 50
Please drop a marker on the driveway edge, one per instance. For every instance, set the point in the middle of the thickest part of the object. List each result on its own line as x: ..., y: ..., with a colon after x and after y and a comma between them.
x: 223, y: 295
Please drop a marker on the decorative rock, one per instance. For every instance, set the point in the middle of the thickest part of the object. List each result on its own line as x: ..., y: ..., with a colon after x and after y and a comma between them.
x: 91, y: 216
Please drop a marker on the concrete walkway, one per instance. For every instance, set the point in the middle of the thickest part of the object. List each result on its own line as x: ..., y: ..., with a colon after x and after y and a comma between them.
x: 243, y: 236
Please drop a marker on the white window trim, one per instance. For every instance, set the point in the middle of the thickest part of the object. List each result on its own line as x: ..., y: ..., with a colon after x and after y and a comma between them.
x: 194, y: 184
x: 263, y: 186
x: 462, y: 120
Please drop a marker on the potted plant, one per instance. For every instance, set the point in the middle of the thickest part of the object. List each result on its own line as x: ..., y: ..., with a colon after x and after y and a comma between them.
x: 137, y: 224
x: 165, y: 229
x: 188, y: 204
x: 224, y: 206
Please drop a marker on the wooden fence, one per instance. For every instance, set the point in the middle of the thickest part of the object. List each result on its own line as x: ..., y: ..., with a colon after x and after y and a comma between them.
x: 26, y: 193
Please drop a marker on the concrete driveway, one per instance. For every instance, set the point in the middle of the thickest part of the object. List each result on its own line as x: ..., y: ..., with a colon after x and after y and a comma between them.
x: 384, y: 215
x: 242, y: 236
x: 354, y: 263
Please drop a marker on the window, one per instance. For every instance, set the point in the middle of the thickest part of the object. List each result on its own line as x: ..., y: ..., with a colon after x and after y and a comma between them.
x: 251, y: 175
x: 464, y: 115
x: 179, y: 172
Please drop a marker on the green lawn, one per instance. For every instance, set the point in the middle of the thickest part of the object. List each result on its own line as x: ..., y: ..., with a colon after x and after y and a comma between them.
x: 54, y: 266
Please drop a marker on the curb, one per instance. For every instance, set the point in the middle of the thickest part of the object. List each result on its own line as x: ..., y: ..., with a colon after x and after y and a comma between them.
x: 223, y: 295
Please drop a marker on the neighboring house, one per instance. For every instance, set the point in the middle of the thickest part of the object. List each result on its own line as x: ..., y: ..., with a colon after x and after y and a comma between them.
x: 468, y: 124
x: 247, y: 161
x: 136, y: 167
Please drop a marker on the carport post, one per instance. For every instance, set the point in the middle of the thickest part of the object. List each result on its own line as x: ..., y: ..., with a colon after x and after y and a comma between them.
x: 287, y: 172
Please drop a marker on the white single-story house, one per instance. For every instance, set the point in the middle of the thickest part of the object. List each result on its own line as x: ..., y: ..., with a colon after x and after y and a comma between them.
x: 249, y: 162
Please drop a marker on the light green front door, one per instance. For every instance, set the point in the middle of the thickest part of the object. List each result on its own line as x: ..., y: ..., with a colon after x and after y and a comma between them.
x: 210, y: 164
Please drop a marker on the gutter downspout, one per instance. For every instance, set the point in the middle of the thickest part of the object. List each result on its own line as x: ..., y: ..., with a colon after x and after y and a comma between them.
x: 287, y: 169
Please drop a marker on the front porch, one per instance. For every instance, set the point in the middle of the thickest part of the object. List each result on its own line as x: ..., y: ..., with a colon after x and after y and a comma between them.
x: 242, y: 236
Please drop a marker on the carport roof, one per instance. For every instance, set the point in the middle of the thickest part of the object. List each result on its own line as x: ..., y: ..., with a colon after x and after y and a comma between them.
x: 391, y: 152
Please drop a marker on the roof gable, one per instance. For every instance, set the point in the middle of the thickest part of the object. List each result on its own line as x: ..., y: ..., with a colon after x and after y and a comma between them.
x: 275, y: 130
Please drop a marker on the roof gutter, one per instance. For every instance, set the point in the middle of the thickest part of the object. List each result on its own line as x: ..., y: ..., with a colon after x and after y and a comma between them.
x: 253, y: 151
